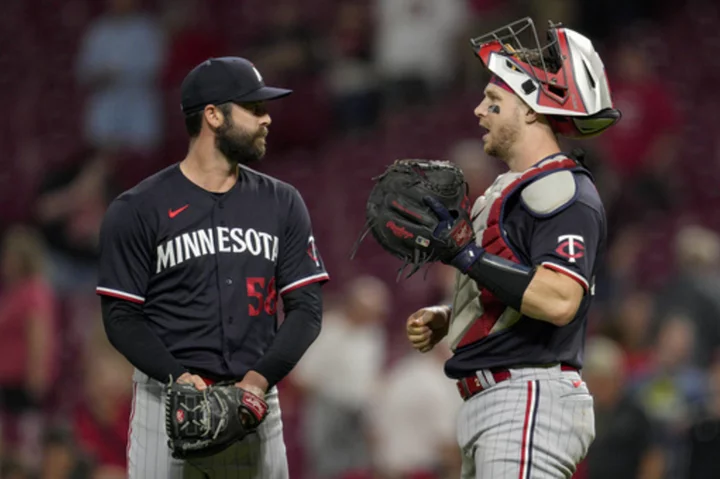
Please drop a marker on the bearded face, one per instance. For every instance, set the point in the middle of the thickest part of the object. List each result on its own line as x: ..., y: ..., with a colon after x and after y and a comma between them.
x: 239, y: 145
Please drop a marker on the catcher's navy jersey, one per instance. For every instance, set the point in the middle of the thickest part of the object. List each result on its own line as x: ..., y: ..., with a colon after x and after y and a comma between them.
x: 208, y: 267
x: 570, y: 242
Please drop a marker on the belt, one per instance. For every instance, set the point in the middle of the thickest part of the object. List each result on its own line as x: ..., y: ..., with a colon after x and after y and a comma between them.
x: 471, y: 385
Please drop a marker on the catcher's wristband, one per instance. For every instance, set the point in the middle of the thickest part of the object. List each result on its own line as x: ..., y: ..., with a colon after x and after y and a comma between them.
x: 505, y: 279
x: 467, y: 257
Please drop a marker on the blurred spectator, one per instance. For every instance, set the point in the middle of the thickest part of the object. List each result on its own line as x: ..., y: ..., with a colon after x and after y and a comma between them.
x: 289, y: 52
x: 630, y: 328
x: 603, y: 21
x: 414, y: 430
x: 619, y: 273
x: 28, y: 339
x: 624, y: 446
x: 192, y: 37
x: 483, y: 16
x: 102, y: 416
x: 557, y: 11
x: 339, y: 375
x: 704, y: 435
x: 119, y: 64
x: 351, y: 79
x: 693, y: 289
x: 109, y: 474
x: 190, y: 41
x: 61, y: 458
x: 288, y: 46
x: 13, y: 470
x: 69, y: 209
x: 487, y: 11
x: 415, y: 47
x: 479, y: 169
x: 642, y: 147
x: 672, y: 394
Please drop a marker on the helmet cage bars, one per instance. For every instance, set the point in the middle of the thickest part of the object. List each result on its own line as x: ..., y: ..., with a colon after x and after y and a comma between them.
x: 565, y: 77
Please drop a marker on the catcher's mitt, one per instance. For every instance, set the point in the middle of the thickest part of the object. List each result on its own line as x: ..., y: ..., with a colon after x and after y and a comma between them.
x: 418, y: 211
x: 203, y: 423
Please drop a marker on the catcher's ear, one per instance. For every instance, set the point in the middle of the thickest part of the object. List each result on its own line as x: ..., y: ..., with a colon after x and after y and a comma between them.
x: 527, y: 113
x: 530, y: 116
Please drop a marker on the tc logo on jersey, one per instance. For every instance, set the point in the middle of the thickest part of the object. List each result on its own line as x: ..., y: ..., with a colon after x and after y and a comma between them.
x: 571, y: 247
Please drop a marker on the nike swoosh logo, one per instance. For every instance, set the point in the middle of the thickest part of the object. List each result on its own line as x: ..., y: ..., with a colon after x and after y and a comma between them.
x: 577, y: 383
x: 174, y: 213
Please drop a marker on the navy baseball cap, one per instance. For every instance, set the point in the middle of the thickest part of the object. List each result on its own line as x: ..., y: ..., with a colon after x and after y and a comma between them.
x: 224, y: 79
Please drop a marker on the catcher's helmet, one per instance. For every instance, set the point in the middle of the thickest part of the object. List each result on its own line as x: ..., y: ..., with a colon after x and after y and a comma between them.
x: 564, y: 79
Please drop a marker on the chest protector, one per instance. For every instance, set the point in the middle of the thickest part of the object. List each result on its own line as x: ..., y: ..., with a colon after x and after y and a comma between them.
x: 544, y: 189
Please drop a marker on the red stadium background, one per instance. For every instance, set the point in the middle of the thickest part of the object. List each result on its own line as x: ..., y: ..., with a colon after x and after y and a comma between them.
x: 90, y: 105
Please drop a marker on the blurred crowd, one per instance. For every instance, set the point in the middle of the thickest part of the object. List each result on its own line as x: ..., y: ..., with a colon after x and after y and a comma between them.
x: 90, y: 91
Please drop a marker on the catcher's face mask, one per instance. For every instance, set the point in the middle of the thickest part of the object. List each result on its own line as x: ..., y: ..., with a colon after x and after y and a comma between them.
x: 564, y: 79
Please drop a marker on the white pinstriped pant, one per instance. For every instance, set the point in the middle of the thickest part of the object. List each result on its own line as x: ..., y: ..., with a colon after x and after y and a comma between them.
x: 258, y: 456
x: 537, y: 424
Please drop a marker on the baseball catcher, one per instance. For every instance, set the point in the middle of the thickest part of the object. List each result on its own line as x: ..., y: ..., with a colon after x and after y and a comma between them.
x: 526, y: 255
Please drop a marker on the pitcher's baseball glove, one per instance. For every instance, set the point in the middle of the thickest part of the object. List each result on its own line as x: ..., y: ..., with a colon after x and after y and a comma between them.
x: 204, y: 423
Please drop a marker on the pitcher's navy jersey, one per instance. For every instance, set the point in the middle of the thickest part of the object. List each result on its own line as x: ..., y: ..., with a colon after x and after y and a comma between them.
x: 208, y: 268
x: 569, y: 242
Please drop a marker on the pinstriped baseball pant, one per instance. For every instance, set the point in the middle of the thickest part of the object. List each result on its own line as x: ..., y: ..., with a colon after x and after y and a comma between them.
x: 538, y: 424
x: 258, y: 456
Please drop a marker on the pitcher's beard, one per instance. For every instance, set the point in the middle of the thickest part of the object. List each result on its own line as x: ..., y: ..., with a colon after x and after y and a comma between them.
x: 239, y: 147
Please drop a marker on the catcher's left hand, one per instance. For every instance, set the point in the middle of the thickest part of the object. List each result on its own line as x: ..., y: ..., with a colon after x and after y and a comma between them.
x: 453, y: 233
x: 204, y: 423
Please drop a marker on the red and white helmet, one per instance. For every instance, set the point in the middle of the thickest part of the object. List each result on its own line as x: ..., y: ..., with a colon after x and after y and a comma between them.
x: 564, y: 79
